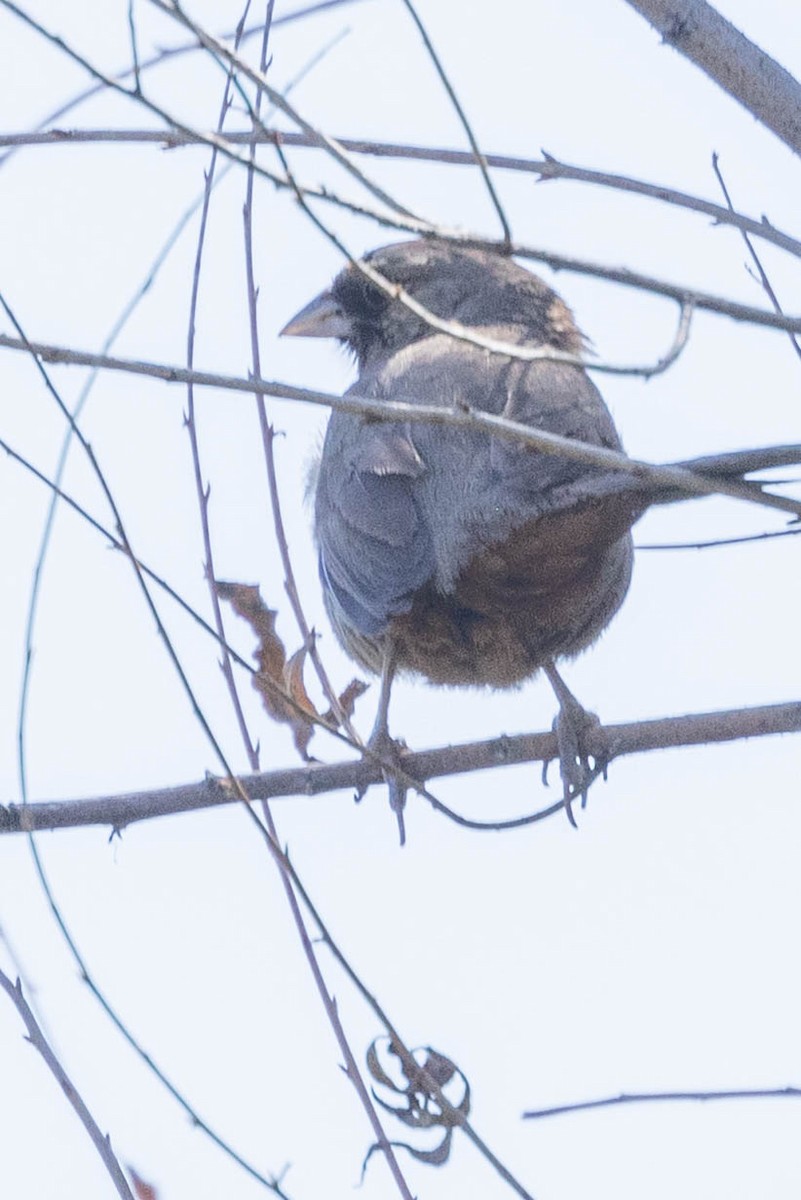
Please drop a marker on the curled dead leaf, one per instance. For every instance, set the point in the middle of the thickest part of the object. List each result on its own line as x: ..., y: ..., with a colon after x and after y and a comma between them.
x: 414, y: 1081
x: 279, y: 678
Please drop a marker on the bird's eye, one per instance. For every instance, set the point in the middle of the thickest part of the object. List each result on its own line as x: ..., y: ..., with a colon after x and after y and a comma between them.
x: 361, y: 300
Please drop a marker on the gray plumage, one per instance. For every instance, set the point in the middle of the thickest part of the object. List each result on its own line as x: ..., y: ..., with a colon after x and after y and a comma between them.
x: 445, y: 542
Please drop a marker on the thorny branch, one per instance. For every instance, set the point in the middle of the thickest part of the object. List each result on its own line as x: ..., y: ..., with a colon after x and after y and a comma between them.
x: 646, y: 474
x: 478, y: 156
x: 37, y: 1039
x: 140, y: 576
x: 241, y: 65
x: 201, y: 488
x: 289, y: 878
x: 402, y: 219
x: 548, y: 168
x: 313, y: 779
x: 160, y: 57
x: 762, y: 274
x: 704, y: 727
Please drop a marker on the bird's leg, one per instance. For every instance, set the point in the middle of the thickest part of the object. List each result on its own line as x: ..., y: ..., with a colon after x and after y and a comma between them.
x: 571, y: 726
x: 380, y: 732
x: 386, y: 746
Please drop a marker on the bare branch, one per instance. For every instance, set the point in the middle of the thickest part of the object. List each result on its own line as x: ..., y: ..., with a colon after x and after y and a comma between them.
x: 313, y: 779
x: 39, y: 1042
x: 399, y: 221
x: 140, y: 572
x: 767, y: 286
x: 289, y: 879
x: 201, y: 488
x: 174, y: 124
x: 268, y: 444
x: 548, y: 168
x: 559, y: 1110
x: 337, y: 152
x: 757, y: 81
x: 165, y: 55
x: 647, y: 474
x: 99, y: 474
x: 455, y: 1116
x: 478, y: 156
x: 160, y: 582
x: 714, y: 543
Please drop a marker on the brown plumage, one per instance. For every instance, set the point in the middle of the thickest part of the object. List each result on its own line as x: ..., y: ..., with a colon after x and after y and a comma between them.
x: 445, y: 552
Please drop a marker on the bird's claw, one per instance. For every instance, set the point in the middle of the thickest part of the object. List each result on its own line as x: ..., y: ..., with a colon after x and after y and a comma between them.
x: 578, y: 768
x: 389, y: 750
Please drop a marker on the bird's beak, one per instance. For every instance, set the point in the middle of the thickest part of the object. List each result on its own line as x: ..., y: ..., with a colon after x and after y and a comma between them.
x: 322, y: 318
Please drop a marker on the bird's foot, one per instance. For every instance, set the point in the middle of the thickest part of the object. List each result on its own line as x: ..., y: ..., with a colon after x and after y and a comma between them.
x: 389, y: 750
x: 574, y: 728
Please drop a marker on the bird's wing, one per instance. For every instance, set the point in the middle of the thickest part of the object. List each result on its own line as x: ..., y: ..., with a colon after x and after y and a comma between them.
x: 374, y: 548
x: 398, y: 506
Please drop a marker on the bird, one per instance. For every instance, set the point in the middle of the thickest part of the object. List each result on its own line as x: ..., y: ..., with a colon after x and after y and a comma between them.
x: 445, y: 552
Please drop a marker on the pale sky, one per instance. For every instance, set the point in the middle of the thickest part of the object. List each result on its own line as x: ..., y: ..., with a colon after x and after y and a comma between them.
x: 652, y: 949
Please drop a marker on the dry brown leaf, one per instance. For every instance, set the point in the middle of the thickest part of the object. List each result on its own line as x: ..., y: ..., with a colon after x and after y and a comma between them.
x: 279, y: 679
x: 347, y: 700
x: 142, y: 1190
x: 419, y: 1108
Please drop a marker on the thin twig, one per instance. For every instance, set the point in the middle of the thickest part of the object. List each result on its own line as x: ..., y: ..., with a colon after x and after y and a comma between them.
x: 122, y: 320
x: 270, y: 685
x: 618, y: 275
x: 623, y: 276
x: 339, y: 155
x: 767, y: 287
x: 290, y: 880
x: 548, y: 168
x: 268, y: 445
x: 559, y: 1110
x: 56, y: 493
x: 647, y: 475
x: 201, y: 488
x: 140, y: 576
x: 135, y: 69
x: 478, y: 156
x: 161, y: 583
x: 162, y: 56
x: 714, y: 543
x: 22, y: 977
x: 37, y: 1039
x: 206, y: 139
x: 123, y: 537
x: 268, y: 1183
x: 454, y: 1116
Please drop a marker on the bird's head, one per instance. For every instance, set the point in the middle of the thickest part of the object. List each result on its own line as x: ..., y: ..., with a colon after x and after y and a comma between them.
x: 476, y: 288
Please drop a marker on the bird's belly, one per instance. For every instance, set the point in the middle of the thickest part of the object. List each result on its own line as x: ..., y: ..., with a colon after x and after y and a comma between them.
x: 546, y: 592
